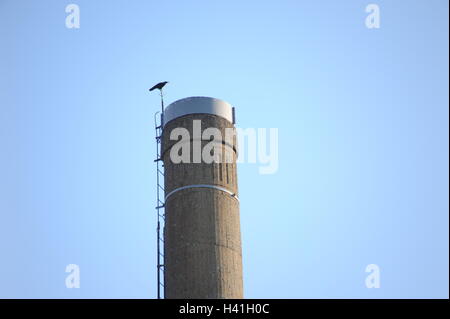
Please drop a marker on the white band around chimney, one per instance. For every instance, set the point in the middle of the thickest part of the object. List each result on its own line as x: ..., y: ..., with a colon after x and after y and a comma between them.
x: 196, y: 105
x: 223, y: 189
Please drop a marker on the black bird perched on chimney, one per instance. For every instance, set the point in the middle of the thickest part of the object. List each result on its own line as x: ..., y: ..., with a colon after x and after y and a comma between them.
x: 159, y: 86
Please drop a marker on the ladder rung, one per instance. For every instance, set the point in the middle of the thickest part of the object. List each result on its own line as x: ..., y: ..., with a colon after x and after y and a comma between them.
x: 159, y: 207
x: 158, y: 159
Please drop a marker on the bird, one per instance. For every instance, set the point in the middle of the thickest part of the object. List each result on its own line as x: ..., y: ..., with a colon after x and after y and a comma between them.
x: 158, y: 86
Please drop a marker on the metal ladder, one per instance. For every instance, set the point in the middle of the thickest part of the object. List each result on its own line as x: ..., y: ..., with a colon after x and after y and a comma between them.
x: 159, y: 204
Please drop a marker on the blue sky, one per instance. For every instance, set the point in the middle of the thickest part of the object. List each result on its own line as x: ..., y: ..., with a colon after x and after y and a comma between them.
x: 362, y: 116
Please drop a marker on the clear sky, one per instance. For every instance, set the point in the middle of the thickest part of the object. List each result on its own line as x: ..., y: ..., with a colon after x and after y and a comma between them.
x: 363, y: 125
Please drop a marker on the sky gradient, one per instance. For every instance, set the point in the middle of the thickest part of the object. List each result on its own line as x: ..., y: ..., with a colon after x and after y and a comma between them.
x: 362, y: 116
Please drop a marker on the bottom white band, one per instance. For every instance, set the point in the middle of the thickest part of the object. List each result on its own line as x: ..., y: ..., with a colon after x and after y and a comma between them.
x: 202, y: 186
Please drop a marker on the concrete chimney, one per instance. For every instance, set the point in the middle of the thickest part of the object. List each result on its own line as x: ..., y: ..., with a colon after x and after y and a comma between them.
x: 202, y: 240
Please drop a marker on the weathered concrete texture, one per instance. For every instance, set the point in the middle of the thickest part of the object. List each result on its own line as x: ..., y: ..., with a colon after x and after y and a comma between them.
x: 202, y: 241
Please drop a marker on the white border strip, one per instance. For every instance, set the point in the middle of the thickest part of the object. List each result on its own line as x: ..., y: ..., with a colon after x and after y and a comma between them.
x: 202, y: 186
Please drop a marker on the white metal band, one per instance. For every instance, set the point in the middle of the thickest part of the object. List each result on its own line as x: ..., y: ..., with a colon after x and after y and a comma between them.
x: 198, y: 104
x: 202, y: 186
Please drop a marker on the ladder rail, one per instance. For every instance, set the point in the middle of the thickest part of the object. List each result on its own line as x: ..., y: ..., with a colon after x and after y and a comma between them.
x: 160, y: 214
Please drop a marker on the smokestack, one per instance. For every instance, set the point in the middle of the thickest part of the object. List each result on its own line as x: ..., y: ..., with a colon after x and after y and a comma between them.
x: 202, y: 240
